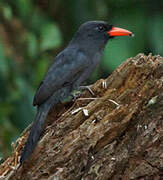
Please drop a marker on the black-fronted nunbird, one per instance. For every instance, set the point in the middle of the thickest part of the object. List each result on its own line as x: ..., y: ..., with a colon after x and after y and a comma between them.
x: 70, y: 68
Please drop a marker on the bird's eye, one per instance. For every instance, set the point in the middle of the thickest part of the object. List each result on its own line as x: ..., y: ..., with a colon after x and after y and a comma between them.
x: 101, y: 28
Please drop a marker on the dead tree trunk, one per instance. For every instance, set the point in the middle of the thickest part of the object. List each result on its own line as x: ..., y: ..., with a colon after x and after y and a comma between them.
x: 119, y: 135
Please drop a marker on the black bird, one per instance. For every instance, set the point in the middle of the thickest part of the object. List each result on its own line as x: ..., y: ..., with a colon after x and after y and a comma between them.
x: 70, y: 68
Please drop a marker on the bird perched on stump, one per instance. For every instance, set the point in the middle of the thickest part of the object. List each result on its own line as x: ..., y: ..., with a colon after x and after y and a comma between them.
x: 70, y: 69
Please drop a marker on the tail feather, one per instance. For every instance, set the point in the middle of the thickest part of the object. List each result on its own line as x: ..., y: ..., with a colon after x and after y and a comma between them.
x: 37, y: 125
x: 35, y: 133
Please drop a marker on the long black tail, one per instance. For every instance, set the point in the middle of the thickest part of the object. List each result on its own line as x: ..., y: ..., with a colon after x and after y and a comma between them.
x: 37, y: 125
x: 35, y: 132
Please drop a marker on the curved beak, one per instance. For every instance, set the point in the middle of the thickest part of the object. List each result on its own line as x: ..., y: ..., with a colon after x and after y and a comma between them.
x: 115, y: 31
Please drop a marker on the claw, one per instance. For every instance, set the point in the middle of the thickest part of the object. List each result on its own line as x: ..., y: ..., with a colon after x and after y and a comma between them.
x: 87, y: 88
x: 104, y: 85
x: 75, y: 95
x: 81, y: 99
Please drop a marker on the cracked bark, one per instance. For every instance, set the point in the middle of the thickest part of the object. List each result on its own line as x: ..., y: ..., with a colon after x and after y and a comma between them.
x: 113, y: 141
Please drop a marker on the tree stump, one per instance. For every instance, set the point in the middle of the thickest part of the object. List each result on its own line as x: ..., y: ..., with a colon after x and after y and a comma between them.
x: 116, y: 135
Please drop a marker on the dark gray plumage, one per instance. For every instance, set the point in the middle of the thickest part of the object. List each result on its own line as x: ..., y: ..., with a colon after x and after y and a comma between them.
x: 70, y: 68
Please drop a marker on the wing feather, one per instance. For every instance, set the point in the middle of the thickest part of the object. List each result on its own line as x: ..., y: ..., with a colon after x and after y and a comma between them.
x: 64, y: 69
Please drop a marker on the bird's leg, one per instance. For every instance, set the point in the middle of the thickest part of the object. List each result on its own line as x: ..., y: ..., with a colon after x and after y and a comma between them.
x: 87, y: 88
x: 72, y: 97
x: 75, y: 94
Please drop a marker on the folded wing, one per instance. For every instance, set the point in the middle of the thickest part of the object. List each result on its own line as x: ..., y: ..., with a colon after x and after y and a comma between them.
x: 67, y: 67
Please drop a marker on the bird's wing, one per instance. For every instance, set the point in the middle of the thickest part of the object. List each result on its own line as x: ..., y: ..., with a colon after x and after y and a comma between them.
x: 66, y: 67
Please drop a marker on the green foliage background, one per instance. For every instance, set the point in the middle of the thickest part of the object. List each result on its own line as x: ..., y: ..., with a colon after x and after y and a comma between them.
x: 33, y: 32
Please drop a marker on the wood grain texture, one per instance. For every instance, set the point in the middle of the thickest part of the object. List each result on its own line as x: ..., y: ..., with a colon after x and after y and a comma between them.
x: 115, y: 140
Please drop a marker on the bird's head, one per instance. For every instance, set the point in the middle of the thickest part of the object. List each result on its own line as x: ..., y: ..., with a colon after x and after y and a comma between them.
x: 97, y: 33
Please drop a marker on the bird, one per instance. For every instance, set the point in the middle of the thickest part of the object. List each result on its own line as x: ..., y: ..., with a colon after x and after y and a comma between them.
x: 70, y: 68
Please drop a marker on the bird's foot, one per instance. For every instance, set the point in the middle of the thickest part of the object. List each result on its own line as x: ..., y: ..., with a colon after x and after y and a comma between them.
x: 67, y: 99
x: 87, y: 88
x: 104, y: 84
x: 75, y: 94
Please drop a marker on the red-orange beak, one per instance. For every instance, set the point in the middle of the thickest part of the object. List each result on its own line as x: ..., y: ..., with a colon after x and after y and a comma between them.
x: 115, y: 31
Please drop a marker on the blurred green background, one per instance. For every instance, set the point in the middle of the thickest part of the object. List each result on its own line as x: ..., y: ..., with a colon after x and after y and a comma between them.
x: 33, y: 32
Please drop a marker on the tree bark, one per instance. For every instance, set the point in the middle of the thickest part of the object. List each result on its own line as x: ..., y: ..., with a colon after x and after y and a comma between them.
x: 117, y: 135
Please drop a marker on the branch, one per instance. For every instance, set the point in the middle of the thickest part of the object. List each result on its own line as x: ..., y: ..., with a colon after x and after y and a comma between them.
x: 117, y: 135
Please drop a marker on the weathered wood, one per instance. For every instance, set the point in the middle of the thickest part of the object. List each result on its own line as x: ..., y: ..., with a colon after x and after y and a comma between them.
x: 115, y: 140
